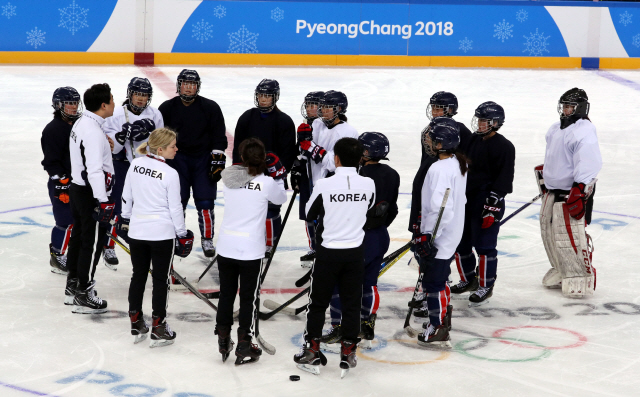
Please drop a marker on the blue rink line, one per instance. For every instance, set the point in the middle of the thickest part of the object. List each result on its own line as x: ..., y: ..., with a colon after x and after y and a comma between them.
x: 22, y: 389
x: 617, y: 79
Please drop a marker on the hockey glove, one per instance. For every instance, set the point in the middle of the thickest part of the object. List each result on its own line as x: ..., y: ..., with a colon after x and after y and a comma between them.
x: 104, y: 211
x: 577, y: 200
x: 305, y: 133
x: 424, y: 247
x: 493, y: 206
x: 125, y: 133
x: 61, y: 188
x: 218, y: 161
x: 274, y: 166
x: 313, y: 151
x: 147, y: 124
x: 298, y: 170
x: 122, y: 227
x: 184, y: 244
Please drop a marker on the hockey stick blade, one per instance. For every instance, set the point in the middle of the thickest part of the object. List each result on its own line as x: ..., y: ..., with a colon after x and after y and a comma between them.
x: 273, y: 305
x: 412, y: 332
x: 193, y: 290
x: 304, y: 279
x: 211, y: 295
x: 266, y: 316
x: 267, y: 347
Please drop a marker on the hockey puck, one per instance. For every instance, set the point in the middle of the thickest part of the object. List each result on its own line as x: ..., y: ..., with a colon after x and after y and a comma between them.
x: 294, y: 377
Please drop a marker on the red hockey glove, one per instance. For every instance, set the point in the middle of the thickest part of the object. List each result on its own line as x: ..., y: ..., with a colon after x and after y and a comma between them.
x: 184, y: 245
x: 104, y: 211
x: 492, y: 208
x: 305, y: 133
x: 576, y: 200
x: 424, y: 247
x: 274, y: 166
x: 313, y: 151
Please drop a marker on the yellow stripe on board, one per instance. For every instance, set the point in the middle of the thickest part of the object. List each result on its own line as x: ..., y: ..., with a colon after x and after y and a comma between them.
x: 101, y: 58
x: 619, y: 63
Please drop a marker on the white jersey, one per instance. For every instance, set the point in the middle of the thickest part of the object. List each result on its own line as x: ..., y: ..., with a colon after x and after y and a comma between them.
x: 327, y: 138
x: 242, y: 234
x: 572, y: 155
x: 90, y: 154
x: 151, y: 200
x: 444, y: 174
x: 121, y: 114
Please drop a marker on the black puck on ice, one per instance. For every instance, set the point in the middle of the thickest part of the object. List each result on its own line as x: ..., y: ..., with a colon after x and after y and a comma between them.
x: 294, y: 377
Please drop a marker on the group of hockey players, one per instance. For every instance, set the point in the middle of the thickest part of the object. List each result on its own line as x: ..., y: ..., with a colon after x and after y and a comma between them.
x: 127, y: 173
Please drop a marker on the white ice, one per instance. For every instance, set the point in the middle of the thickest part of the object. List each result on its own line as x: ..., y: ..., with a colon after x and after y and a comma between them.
x: 549, y: 345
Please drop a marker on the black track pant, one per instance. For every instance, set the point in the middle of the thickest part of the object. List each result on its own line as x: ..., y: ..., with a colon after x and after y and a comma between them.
x: 143, y: 254
x: 336, y: 267
x: 249, y: 274
x: 87, y: 236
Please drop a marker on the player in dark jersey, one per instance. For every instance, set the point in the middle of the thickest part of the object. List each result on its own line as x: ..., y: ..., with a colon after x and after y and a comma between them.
x: 445, y: 104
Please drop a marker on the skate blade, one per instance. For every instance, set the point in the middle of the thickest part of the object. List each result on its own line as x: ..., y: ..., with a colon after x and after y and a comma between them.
x: 87, y: 310
x: 312, y: 369
x: 365, y: 344
x: 139, y: 338
x: 111, y: 267
x: 330, y: 347
x: 242, y: 361
x: 225, y: 356
x: 476, y: 304
x: 68, y: 300
x: 460, y: 297
x: 55, y: 270
x: 439, y: 345
x: 344, y: 373
x: 160, y: 343
x: 420, y: 320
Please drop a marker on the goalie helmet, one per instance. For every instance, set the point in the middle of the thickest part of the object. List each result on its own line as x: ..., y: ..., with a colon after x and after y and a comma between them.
x: 140, y: 86
x: 269, y: 88
x: 67, y: 96
x: 312, y: 100
x: 441, y: 130
x: 375, y: 145
x: 572, y: 106
x: 191, y: 76
x: 335, y: 100
x: 492, y: 113
x: 445, y: 101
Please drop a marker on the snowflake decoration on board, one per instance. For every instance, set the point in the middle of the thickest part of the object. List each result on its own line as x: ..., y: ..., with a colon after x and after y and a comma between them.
x: 36, y: 37
x: 536, y: 44
x: 277, y: 14
x: 243, y: 41
x: 636, y: 40
x: 219, y: 12
x: 522, y: 15
x: 8, y: 11
x: 465, y: 45
x: 503, y: 30
x: 202, y: 31
x: 625, y: 19
x: 73, y: 17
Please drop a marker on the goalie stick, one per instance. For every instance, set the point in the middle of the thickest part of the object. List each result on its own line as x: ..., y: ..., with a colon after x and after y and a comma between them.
x: 407, y: 322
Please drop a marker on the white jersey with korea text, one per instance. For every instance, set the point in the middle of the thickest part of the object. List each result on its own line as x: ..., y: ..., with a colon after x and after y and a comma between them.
x: 572, y: 155
x: 151, y: 200
x: 342, y: 201
x: 90, y: 155
x: 113, y: 125
x: 444, y: 174
x: 327, y: 138
x: 242, y: 234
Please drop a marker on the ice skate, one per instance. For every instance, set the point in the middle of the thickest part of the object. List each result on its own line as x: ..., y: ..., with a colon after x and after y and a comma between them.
x: 246, y: 352
x: 87, y: 302
x: 58, y: 262
x: 435, y: 337
x: 330, y: 340
x: 310, y: 357
x: 110, y: 258
x: 348, y: 358
x: 480, y: 297
x: 225, y: 343
x: 465, y: 286
x: 139, y: 327
x: 207, y: 247
x: 161, y: 334
x: 70, y: 291
x: 306, y: 261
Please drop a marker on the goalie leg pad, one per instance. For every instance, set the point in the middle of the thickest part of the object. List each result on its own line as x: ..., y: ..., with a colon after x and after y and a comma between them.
x: 546, y: 228
x: 553, y: 279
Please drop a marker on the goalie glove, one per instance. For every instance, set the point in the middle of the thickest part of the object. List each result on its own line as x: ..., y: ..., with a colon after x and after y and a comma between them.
x: 424, y: 247
x: 218, y: 162
x: 492, y: 208
x: 61, y: 188
x: 313, y: 151
x: 576, y: 200
x: 274, y: 166
x: 184, y: 244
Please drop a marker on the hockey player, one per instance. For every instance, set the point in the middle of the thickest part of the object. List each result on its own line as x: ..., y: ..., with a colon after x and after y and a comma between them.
x: 572, y: 161
x: 491, y: 171
x: 376, y: 236
x: 340, y: 205
x: 449, y: 172
x: 241, y: 244
x: 91, y: 184
x: 278, y: 133
x: 153, y: 222
x: 129, y: 127
x: 202, y: 141
x: 55, y: 147
x: 445, y: 104
x: 300, y: 176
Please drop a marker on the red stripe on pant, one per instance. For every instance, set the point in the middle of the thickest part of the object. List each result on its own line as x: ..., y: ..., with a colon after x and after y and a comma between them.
x: 269, y: 226
x: 65, y: 242
x: 208, y: 227
x: 459, y: 266
x: 447, y: 292
x: 376, y: 300
x: 482, y: 271
x: 443, y: 305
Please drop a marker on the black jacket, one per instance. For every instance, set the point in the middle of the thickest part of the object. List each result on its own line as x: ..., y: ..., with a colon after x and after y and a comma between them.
x: 387, y: 183
x: 55, y: 147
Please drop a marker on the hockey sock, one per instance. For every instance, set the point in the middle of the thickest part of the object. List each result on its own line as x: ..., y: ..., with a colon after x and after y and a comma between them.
x: 311, y: 235
x: 206, y: 217
x: 437, y: 305
x: 370, y: 301
x: 335, y: 308
x: 466, y: 265
x: 487, y: 269
x: 273, y: 228
x: 60, y: 238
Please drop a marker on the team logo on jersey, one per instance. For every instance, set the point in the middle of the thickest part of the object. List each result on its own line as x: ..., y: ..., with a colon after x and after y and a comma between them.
x: 347, y: 197
x: 253, y: 186
x: 147, y: 171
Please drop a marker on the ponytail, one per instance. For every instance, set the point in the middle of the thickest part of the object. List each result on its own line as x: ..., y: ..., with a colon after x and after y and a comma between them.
x: 159, y: 138
x: 462, y: 160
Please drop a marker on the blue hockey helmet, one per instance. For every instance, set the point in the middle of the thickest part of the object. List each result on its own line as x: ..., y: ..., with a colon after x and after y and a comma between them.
x: 445, y: 101
x: 375, y: 145
x: 441, y: 130
x: 335, y: 100
x: 139, y: 86
x: 190, y: 76
x: 311, y: 103
x: 269, y: 88
x: 489, y: 116
x: 66, y: 100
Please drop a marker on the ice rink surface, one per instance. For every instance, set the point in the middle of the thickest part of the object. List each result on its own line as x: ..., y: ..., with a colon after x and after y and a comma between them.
x: 528, y: 341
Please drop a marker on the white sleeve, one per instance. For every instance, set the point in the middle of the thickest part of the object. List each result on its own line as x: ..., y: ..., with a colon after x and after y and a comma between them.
x: 276, y: 194
x: 432, y: 194
x: 157, y: 119
x: 587, y: 159
x: 94, y: 145
x: 127, y: 196
x: 175, y: 204
x: 111, y: 127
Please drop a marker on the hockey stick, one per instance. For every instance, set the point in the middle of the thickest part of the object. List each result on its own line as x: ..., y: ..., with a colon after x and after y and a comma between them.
x: 207, y: 269
x: 117, y: 241
x: 304, y: 279
x: 407, y: 322
x: 266, y: 316
x: 516, y: 212
x: 394, y: 257
x: 193, y: 290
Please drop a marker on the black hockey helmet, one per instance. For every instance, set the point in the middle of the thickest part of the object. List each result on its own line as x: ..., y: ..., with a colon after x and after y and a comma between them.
x: 490, y: 111
x: 375, y: 145
x: 443, y: 130
x: 270, y: 88
x: 445, y: 101
x: 312, y: 98
x: 577, y: 98
x: 188, y: 75
x: 335, y: 100
x: 139, y: 85
x: 67, y: 96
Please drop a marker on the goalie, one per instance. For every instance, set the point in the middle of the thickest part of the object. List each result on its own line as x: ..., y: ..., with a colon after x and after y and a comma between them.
x: 571, y: 163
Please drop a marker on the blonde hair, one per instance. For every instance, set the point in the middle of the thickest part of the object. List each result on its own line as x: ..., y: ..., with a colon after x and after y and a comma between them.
x: 160, y: 138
